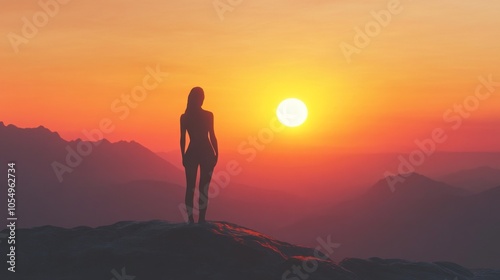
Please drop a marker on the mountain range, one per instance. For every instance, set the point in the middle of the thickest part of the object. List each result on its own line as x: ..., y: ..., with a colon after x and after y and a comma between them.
x: 118, y: 181
x: 421, y: 219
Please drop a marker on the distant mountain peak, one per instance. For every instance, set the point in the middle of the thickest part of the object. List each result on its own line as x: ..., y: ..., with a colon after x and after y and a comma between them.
x: 410, y: 175
x: 412, y: 182
x: 486, y: 167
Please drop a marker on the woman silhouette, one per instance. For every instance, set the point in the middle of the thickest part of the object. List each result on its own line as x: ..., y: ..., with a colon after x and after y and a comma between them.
x: 202, y: 151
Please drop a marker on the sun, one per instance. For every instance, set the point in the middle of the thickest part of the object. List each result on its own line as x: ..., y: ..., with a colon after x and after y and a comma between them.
x: 292, y: 112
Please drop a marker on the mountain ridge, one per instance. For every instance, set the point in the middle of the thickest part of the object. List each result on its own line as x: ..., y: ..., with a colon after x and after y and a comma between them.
x: 415, y: 184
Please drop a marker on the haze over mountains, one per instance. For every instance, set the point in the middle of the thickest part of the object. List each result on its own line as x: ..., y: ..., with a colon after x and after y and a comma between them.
x: 423, y: 219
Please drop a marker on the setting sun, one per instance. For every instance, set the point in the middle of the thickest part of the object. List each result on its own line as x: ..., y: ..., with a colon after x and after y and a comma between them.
x: 292, y: 112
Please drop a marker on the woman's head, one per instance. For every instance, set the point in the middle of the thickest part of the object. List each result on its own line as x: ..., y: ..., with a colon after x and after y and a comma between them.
x: 195, y: 99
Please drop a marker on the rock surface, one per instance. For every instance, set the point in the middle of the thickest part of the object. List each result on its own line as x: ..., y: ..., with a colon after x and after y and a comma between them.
x: 217, y: 250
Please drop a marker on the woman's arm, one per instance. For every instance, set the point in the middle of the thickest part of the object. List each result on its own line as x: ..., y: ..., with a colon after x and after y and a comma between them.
x: 183, y: 138
x: 213, y: 139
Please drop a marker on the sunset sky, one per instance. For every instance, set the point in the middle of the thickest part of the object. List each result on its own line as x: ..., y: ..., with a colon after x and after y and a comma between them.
x: 395, y: 90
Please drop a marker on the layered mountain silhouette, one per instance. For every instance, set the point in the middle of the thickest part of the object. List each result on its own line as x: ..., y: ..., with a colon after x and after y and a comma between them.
x: 413, y: 186
x: 218, y: 250
x: 38, y: 149
x: 422, y: 219
x: 90, y: 190
x: 119, y: 181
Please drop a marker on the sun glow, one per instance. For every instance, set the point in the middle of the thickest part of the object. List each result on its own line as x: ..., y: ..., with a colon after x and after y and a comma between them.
x: 292, y: 112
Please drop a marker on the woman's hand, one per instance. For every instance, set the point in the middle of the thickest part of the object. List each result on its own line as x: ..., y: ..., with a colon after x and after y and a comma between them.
x: 184, y: 160
x: 216, y: 158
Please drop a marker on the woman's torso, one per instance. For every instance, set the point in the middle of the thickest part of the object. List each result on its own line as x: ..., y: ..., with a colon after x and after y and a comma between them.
x: 198, y: 125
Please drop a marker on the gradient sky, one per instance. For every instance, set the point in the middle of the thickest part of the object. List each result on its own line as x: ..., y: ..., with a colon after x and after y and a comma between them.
x: 394, y: 91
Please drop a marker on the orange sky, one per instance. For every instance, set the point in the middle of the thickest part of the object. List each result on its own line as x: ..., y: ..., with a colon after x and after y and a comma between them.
x: 396, y: 90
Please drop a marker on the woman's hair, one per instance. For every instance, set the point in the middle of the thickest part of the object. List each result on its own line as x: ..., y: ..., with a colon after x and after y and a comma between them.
x: 195, y: 99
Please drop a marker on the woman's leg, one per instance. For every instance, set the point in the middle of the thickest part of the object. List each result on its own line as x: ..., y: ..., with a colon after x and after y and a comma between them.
x: 190, y: 186
x: 205, y: 178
